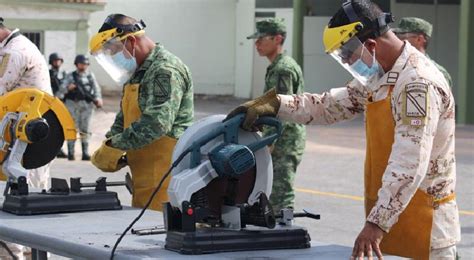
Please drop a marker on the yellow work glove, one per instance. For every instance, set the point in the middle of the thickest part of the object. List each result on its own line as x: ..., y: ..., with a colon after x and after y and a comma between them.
x: 109, y: 159
x: 266, y: 105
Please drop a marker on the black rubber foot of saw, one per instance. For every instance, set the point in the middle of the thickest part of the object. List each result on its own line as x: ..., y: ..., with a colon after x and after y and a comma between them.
x: 214, y: 240
x: 43, y: 203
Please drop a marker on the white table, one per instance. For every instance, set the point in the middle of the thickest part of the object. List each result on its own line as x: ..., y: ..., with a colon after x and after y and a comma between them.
x: 91, y: 235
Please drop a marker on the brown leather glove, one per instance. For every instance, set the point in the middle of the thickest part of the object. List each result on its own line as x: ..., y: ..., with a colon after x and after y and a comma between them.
x: 109, y: 159
x: 266, y: 105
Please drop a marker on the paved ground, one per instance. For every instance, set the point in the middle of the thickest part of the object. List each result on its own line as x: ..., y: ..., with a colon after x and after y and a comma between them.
x: 330, y: 178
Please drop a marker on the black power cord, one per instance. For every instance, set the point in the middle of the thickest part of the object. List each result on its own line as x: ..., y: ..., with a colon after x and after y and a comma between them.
x: 175, y: 163
x: 4, y: 245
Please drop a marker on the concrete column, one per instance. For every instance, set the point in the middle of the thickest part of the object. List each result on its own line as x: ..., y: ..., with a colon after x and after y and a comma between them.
x: 245, y: 25
x: 465, y: 101
x: 82, y: 37
x: 298, y: 21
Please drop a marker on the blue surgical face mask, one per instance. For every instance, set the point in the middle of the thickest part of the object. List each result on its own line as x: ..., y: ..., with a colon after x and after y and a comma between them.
x: 128, y: 64
x: 364, y: 70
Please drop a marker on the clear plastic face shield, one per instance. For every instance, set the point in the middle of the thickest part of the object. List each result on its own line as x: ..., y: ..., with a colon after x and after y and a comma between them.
x: 359, y: 61
x: 119, y: 63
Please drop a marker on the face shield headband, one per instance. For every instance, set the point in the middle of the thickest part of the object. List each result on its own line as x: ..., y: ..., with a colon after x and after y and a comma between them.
x: 372, y: 29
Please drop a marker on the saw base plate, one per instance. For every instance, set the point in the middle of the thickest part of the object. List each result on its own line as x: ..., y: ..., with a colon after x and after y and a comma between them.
x: 214, y: 240
x: 46, y: 203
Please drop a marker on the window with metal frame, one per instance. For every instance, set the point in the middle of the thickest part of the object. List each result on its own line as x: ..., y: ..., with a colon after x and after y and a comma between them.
x: 35, y: 37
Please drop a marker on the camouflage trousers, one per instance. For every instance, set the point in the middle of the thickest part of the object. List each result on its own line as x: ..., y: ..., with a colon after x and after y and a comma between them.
x: 81, y: 111
x: 286, y: 159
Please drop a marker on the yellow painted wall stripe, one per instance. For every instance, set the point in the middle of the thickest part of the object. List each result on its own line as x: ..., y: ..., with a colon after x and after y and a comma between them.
x: 358, y: 198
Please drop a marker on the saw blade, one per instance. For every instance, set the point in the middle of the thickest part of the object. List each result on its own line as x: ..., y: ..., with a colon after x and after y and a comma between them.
x: 40, y: 153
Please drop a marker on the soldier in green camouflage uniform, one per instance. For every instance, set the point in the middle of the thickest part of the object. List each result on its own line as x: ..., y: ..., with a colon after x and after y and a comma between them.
x: 418, y: 33
x: 156, y: 108
x: 285, y: 76
x: 166, y: 94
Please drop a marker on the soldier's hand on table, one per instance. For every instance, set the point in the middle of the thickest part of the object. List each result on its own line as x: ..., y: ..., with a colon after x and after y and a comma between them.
x: 71, y: 86
x: 266, y: 105
x: 368, y: 240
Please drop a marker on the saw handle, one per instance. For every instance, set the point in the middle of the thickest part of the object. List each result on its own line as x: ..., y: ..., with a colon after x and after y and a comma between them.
x: 268, y: 140
x: 230, y: 131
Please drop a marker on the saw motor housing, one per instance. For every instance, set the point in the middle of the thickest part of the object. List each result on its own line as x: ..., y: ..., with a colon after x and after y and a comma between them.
x: 218, y: 193
x: 225, y: 178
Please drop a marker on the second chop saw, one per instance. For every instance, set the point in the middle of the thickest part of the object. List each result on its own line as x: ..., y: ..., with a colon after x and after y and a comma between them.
x: 219, y: 192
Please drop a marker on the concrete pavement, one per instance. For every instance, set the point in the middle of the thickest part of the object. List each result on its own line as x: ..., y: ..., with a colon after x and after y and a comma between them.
x: 329, y: 180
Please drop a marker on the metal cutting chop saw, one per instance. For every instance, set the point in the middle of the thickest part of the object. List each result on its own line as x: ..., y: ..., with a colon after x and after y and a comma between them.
x: 33, y: 127
x: 219, y: 192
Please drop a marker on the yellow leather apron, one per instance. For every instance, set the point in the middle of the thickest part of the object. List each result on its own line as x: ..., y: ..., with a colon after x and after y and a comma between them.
x: 411, y: 235
x: 147, y: 164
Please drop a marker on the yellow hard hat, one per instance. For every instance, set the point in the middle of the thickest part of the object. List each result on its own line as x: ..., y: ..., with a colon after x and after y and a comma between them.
x: 334, y: 38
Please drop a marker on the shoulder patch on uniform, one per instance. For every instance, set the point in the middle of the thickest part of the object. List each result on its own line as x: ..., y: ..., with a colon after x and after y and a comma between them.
x: 4, y: 63
x: 162, y: 89
x: 415, y: 104
x: 284, y: 84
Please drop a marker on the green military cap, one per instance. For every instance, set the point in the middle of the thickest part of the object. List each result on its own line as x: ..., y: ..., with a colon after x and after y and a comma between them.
x: 270, y: 26
x: 414, y: 25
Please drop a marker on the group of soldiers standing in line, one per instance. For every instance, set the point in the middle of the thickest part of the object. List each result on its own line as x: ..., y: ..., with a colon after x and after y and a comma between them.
x: 80, y: 92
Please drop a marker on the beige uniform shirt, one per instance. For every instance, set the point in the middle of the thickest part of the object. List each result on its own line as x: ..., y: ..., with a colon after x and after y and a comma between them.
x: 423, y: 150
x: 22, y: 65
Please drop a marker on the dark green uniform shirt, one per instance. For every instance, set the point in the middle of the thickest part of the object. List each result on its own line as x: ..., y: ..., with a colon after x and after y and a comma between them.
x: 165, y: 99
x: 285, y: 75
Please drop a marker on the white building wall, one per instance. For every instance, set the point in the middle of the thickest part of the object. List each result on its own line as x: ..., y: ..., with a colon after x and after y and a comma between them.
x: 201, y: 33
x: 245, y: 24
x: 36, y: 12
x: 64, y: 43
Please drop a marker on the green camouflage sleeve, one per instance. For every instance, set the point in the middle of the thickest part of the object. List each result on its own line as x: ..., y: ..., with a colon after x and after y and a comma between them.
x: 117, y: 126
x: 282, y: 81
x: 161, y: 92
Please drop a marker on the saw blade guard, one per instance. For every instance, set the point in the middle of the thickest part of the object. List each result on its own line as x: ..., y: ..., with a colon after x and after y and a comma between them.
x: 35, y: 121
x: 205, y: 138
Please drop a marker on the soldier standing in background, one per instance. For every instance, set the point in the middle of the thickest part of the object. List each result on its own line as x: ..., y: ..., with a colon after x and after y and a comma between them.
x: 418, y: 33
x: 284, y: 76
x: 81, y: 93
x: 57, y: 75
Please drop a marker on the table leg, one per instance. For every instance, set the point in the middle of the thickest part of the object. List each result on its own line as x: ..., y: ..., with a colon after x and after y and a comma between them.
x: 38, y: 254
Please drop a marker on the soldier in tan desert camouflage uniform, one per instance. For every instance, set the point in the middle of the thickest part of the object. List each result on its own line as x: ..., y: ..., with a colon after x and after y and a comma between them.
x: 410, y: 169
